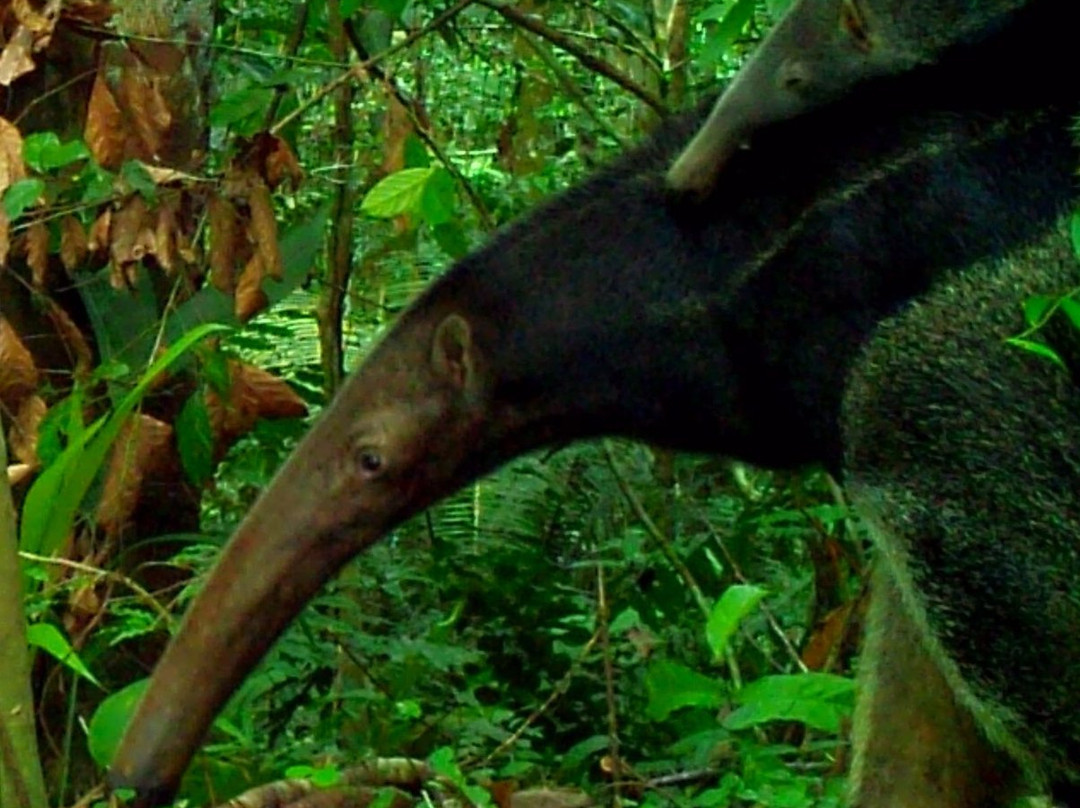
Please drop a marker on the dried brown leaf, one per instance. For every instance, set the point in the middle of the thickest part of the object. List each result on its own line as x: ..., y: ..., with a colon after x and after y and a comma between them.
x: 99, y: 232
x: 78, y: 349
x: 250, y: 298
x: 104, y: 131
x: 224, y: 231
x: 40, y: 23
x: 254, y: 393
x: 15, y: 59
x: 163, y: 176
x: 132, y: 233
x: 165, y: 235
x: 262, y: 231
x: 23, y: 437
x: 12, y: 168
x: 143, y: 445
x: 37, y: 253
x: 18, y: 473
x: 281, y: 164
x: 73, y: 243
x: 139, y: 94
x: 89, y: 12
x: 18, y: 373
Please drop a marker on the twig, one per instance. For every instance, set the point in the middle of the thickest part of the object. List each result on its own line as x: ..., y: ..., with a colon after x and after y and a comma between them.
x: 655, y: 533
x: 144, y: 595
x: 603, y: 618
x: 556, y: 692
x: 770, y: 618
x: 562, y: 41
x: 357, y: 71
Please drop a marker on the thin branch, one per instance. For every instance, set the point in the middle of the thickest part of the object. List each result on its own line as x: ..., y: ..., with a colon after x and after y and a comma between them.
x: 562, y: 41
x: 357, y: 71
x: 143, y: 594
x: 774, y: 624
x: 655, y: 533
x: 557, y: 692
x: 603, y: 618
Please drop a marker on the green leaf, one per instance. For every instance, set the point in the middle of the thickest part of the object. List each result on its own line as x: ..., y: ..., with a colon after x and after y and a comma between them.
x: 723, y: 36
x: 325, y: 776
x: 819, y: 700
x: 195, y: 439
x: 21, y: 195
x: 241, y: 105
x: 1038, y: 348
x: 400, y: 193
x: 734, y: 605
x: 49, y: 639
x: 96, y: 184
x: 1070, y: 306
x: 111, y: 719
x: 43, y: 151
x: 451, y: 239
x: 438, y: 201
x: 671, y: 686
x: 444, y: 764
x: 1075, y: 229
x: 54, y: 498
x: 416, y: 153
x: 1036, y: 307
x: 138, y: 179
x: 391, y: 8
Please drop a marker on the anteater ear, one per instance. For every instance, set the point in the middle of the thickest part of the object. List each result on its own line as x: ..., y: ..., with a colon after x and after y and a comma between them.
x: 452, y: 352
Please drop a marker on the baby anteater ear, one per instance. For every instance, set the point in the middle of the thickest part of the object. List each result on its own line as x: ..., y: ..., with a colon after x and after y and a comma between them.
x: 452, y: 352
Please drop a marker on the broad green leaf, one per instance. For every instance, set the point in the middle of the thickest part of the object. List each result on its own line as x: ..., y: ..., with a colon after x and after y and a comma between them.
x: 22, y: 195
x: 49, y: 639
x: 375, y: 30
x: 320, y: 776
x: 1035, y: 308
x: 438, y: 201
x: 625, y: 620
x: 671, y: 686
x: 731, y: 25
x: 416, y: 153
x: 96, y: 184
x: 400, y: 193
x: 1038, y: 348
x: 819, y: 700
x: 391, y: 8
x: 444, y: 764
x: 139, y: 180
x: 240, y: 105
x: 451, y: 238
x: 578, y: 754
x: 1071, y: 308
x: 111, y: 719
x: 195, y: 439
x: 724, y: 619
x: 43, y: 151
x: 54, y: 498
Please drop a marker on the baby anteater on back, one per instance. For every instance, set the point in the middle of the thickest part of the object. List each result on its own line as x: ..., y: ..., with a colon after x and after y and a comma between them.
x: 819, y: 51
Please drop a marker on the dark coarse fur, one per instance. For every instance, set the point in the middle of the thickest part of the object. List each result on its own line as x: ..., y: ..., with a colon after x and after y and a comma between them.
x: 965, y: 453
x: 730, y: 326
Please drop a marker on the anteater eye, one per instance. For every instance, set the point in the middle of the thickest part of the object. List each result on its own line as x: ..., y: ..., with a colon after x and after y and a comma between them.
x: 370, y: 461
